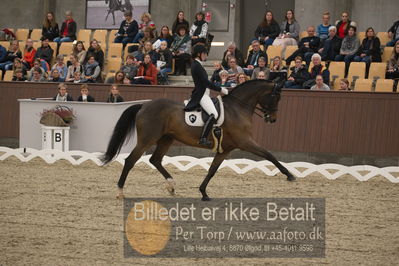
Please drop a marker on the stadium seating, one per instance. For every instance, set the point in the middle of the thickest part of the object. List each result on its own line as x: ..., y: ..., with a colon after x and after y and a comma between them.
x: 357, y: 70
x: 8, y: 76
x: 386, y: 55
x: 311, y: 65
x: 21, y: 45
x: 84, y: 36
x: 290, y: 50
x: 22, y: 34
x: 114, y: 50
x: 336, y: 85
x: 250, y: 49
x: 36, y: 34
x: 5, y: 44
x: 377, y: 70
x: 384, y: 38
x: 111, y: 36
x: 36, y: 45
x: 361, y: 35
x: 273, y: 51
x: 114, y: 64
x: 363, y: 85
x: 109, y: 75
x: 101, y: 37
x: 53, y: 46
x: 384, y: 85
x: 303, y: 34
x: 337, y: 70
x: 66, y: 48
x: 125, y: 52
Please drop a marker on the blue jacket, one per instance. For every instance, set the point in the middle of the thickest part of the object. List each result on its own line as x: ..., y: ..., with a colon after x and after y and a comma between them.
x: 3, y: 54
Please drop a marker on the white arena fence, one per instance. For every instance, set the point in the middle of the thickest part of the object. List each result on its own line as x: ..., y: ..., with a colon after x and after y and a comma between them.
x: 240, y: 166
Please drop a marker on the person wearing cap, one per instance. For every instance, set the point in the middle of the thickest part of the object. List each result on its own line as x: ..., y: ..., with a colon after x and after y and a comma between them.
x: 128, y: 29
x: 200, y: 94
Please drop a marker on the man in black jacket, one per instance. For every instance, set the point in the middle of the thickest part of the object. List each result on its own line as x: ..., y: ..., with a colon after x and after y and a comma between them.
x: 200, y: 94
x: 299, y: 74
x: 45, y: 52
x: 232, y: 51
x: 393, y: 33
x: 253, y: 56
x: 331, y: 46
x: 307, y: 47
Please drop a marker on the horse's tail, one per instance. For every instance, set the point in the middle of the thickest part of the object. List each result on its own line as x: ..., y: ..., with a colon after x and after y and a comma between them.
x: 122, y: 130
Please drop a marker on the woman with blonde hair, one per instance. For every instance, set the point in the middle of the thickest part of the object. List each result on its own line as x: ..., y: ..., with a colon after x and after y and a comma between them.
x: 146, y: 22
x: 241, y: 78
x: 80, y: 51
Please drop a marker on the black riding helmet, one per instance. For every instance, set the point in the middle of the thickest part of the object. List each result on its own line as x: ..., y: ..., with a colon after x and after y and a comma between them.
x: 198, y: 50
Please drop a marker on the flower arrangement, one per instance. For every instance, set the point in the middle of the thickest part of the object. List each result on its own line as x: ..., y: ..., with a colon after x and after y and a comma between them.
x: 59, y: 116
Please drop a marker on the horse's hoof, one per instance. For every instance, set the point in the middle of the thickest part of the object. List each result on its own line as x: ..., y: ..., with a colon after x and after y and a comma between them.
x: 170, y: 186
x: 206, y: 198
x: 291, y: 177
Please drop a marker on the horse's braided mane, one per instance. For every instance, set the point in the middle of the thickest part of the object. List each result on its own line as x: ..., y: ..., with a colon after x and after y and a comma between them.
x: 250, y: 81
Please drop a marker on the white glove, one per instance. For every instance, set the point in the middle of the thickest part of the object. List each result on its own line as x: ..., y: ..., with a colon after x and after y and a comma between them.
x: 225, y: 91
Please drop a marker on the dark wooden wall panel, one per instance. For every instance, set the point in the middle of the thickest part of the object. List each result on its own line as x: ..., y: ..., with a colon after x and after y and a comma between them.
x: 308, y: 121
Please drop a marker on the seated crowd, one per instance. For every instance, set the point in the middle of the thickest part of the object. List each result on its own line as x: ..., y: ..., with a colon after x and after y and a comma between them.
x: 156, y: 54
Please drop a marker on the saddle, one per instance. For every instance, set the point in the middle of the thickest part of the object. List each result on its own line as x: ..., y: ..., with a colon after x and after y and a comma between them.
x: 198, y: 117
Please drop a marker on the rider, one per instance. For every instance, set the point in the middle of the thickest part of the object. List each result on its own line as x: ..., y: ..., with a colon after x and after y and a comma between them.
x: 200, y: 94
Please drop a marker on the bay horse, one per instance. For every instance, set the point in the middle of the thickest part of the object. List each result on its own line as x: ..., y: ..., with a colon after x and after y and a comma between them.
x: 161, y: 121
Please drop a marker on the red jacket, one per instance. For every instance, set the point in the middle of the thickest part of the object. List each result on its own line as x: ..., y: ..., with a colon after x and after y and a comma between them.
x: 151, y: 74
x: 30, y: 56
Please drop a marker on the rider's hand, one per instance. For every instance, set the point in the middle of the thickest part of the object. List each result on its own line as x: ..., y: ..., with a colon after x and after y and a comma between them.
x: 224, y: 91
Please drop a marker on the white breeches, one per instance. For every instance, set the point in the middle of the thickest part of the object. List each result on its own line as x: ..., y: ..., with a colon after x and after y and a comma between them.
x: 207, y: 104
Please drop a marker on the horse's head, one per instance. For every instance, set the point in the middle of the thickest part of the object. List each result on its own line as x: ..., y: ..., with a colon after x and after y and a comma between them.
x: 269, y: 103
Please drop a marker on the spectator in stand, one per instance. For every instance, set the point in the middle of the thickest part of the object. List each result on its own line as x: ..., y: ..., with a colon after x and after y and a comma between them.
x: 130, y: 68
x: 148, y: 36
x: 45, y: 54
x: 253, y: 56
x: 118, y: 78
x: 181, y: 50
x: 147, y: 73
x: 369, y: 51
x: 128, y: 29
x: 199, y: 30
x: 180, y: 21
x: 224, y: 76
x: 307, y: 47
x: 80, y: 51
x: 37, y: 64
x: 343, y: 25
x: 37, y: 75
x: 68, y: 29
x: 262, y: 66
x: 61, y: 66
x: 344, y: 85
x: 216, y: 73
x: 92, y: 71
x: 261, y: 75
x: 349, y: 47
x: 289, y: 34
x: 322, y: 29
x: 12, y: 53
x: 240, y: 78
x: 50, y: 29
x: 19, y: 65
x: 84, y: 94
x: 75, y: 66
x: 268, y: 30
x: 234, y: 69
x: 332, y: 45
x: 232, y: 51
x: 317, y: 69
x: 77, y: 77
x: 29, y: 54
x: 19, y: 75
x: 277, y: 70
x: 114, y: 96
x: 393, y: 64
x: 393, y: 33
x: 145, y: 49
x: 62, y: 95
x: 164, y: 63
x: 320, y: 85
x: 55, y: 76
x: 146, y: 22
x: 165, y: 36
x: 299, y: 74
x: 95, y: 51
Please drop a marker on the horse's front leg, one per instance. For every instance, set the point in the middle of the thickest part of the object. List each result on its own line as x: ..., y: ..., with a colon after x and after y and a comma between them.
x: 253, y: 147
x: 217, y: 161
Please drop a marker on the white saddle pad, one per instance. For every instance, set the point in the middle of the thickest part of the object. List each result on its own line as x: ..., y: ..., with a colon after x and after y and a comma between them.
x: 194, y: 118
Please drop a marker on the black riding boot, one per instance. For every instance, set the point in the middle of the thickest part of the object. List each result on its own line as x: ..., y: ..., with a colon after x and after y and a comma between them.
x: 206, y: 130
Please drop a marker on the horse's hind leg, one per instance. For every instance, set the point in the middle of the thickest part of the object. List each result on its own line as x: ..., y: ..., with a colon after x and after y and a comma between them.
x: 257, y: 150
x: 163, y: 146
x: 217, y: 161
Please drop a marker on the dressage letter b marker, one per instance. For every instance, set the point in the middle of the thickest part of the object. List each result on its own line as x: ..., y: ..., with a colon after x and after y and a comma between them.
x: 57, y: 137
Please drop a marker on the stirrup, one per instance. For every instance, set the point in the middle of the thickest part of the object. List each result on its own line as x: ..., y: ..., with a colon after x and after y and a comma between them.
x: 204, y: 142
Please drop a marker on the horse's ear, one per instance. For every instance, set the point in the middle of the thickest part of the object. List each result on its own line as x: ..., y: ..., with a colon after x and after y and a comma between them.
x: 278, y: 84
